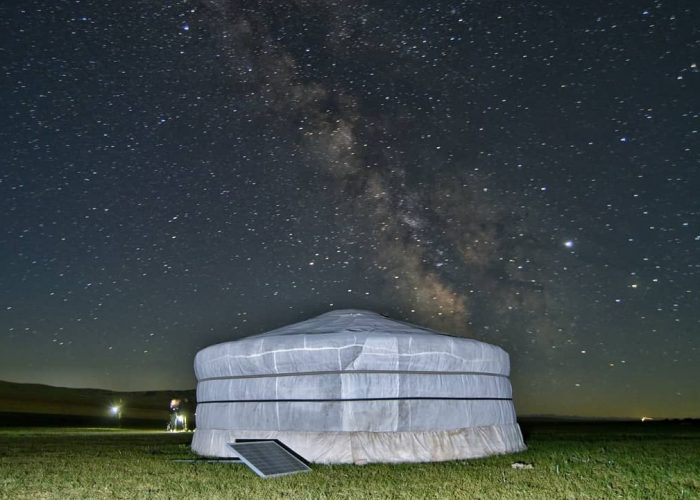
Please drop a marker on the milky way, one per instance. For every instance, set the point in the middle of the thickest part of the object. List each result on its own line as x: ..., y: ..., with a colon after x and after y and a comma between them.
x: 186, y: 174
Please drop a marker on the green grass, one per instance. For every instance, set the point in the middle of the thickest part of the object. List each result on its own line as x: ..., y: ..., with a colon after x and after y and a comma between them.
x: 569, y: 461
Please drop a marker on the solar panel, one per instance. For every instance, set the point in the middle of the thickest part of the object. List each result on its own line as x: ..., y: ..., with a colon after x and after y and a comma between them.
x: 269, y: 458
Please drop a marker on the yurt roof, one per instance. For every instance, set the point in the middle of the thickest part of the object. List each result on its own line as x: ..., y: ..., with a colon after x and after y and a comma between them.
x: 349, y: 321
x: 349, y: 339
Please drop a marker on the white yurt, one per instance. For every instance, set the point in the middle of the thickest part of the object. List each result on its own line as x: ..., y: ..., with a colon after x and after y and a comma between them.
x: 353, y: 386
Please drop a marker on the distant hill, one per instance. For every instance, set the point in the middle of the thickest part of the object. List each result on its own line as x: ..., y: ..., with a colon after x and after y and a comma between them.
x: 34, y: 403
x: 572, y: 418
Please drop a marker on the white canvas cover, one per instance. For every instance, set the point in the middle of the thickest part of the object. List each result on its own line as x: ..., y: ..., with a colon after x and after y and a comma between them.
x: 353, y: 386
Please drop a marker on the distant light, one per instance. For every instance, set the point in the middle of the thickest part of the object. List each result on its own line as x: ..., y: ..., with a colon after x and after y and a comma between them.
x: 647, y: 419
x: 180, y: 419
x: 569, y: 243
x: 115, y: 410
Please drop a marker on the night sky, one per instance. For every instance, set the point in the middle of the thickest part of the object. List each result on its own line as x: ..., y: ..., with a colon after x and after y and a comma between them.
x: 177, y: 174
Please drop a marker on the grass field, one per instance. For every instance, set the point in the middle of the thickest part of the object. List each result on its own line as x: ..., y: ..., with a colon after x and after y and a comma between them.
x: 569, y: 461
